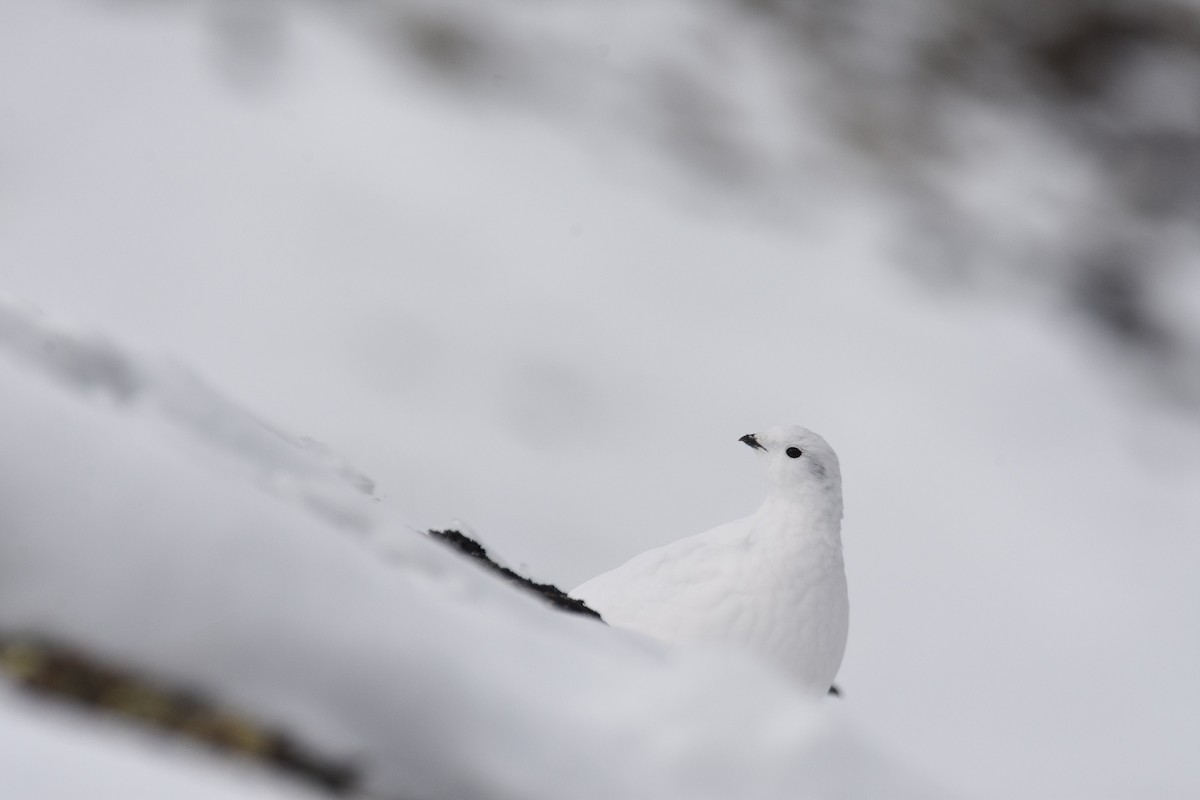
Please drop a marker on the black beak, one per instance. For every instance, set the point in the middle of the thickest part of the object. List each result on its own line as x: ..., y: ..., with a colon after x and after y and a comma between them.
x: 753, y: 442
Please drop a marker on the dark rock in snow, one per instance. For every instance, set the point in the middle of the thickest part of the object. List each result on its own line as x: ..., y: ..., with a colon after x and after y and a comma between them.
x: 74, y: 677
x: 548, y: 592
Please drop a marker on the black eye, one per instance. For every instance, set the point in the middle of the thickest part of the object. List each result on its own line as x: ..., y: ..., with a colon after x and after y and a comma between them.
x: 793, y: 452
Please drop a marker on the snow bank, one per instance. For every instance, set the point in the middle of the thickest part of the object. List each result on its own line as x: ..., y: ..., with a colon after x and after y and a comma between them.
x: 154, y: 524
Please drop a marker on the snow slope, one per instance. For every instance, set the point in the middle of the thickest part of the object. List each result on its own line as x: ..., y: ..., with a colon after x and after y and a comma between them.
x: 127, y: 534
x: 559, y: 343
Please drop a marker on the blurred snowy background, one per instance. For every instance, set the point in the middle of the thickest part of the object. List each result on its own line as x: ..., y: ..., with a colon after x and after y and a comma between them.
x: 535, y: 266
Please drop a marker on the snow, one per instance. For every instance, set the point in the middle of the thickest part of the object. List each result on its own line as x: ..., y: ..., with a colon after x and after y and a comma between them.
x: 366, y: 641
x: 552, y: 337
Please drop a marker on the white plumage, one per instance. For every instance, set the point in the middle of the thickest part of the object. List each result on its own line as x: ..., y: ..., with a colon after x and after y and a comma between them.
x: 772, y: 583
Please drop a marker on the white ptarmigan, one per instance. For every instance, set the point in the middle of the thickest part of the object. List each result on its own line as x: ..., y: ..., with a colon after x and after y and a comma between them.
x: 772, y: 584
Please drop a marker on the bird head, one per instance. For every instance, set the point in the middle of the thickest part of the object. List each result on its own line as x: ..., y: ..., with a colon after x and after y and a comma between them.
x: 797, y: 461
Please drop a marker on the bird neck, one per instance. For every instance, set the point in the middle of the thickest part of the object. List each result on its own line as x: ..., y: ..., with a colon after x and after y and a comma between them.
x: 817, y: 515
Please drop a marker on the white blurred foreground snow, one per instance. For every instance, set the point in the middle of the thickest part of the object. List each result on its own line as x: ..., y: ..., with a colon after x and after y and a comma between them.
x: 131, y: 528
